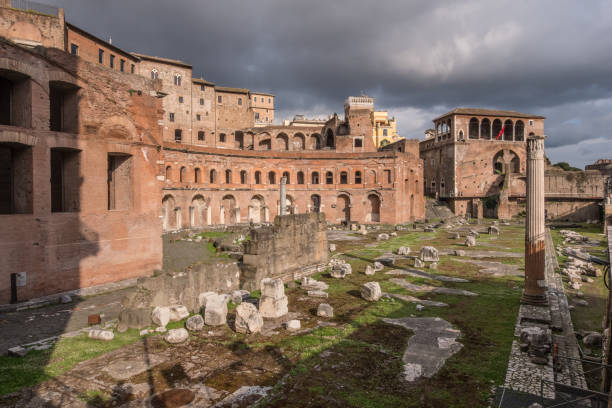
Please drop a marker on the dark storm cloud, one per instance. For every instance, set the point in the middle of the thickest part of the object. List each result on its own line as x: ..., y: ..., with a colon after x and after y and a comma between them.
x: 418, y: 59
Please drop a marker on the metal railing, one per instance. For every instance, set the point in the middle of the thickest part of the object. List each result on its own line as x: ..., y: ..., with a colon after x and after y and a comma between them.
x: 28, y: 5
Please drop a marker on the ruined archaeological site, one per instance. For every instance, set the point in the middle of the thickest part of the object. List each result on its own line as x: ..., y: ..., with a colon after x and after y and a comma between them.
x: 169, y: 241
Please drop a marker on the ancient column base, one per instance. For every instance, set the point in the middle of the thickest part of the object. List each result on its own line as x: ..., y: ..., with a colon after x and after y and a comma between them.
x: 534, y: 300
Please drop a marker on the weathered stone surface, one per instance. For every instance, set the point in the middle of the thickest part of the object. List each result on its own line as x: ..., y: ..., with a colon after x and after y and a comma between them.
x: 203, y: 298
x: 418, y: 263
x: 325, y: 310
x: 248, y: 319
x: 332, y: 247
x: 493, y: 230
x: 178, y: 312
x: 271, y: 308
x: 459, y: 252
x: 455, y: 235
x: 378, y: 266
x: 17, y: 351
x: 161, y: 315
x: 273, y: 288
x: 429, y: 254
x: 470, y: 241
x: 65, y: 299
x: 195, y: 323
x: 382, y: 237
x: 393, y: 234
x: 105, y: 335
x: 215, y: 313
x: 370, y: 291
x: 294, y: 325
x: 473, y: 233
x: 386, y: 259
x: 341, y: 270
x: 317, y: 294
x: 176, y: 336
x: 369, y: 270
x: 433, y: 266
x: 403, y: 250
x: 313, y: 284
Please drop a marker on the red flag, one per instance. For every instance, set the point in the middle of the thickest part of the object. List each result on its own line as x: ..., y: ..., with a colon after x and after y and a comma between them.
x: 501, y: 132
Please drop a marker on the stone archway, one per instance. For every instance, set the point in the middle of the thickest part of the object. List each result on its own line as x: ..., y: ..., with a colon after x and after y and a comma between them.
x: 198, y: 212
x: 228, y: 213
x: 257, y: 209
x: 373, y: 214
x: 343, y: 208
x: 169, y: 218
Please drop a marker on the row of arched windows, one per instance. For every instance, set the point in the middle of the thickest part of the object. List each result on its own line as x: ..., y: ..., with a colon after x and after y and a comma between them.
x: 177, y: 77
x: 497, y: 130
x: 271, y: 177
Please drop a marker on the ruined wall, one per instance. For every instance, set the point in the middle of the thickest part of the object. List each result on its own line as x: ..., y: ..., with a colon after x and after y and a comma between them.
x: 32, y: 28
x: 293, y: 243
x: 574, y: 195
x: 83, y: 243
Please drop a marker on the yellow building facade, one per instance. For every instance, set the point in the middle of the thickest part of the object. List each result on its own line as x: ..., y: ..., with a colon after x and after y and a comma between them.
x: 384, y: 129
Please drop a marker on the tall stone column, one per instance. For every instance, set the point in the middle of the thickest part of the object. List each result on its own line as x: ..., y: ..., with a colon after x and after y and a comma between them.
x: 283, y: 195
x: 535, y: 233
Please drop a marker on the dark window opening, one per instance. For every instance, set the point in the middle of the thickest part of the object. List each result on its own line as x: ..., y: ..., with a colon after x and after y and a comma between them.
x: 101, y: 56
x: 112, y: 61
x: 74, y: 49
x: 182, y: 173
x: 198, y: 117
x: 201, y: 101
x: 315, y: 178
x: 300, y: 177
x: 132, y: 68
x: 271, y: 178
x: 63, y: 107
x: 239, y: 101
x: 473, y: 128
x: 388, y: 176
x: 180, y: 99
x: 213, y: 176
x: 119, y: 181
x: 222, y: 137
x: 200, y: 135
x: 358, y: 142
x: 171, y: 117
x: 65, y: 180
x: 357, y: 177
x: 258, y: 177
x: 122, y: 65
x: 329, y: 140
x: 15, y: 99
x: 329, y: 178
x: 343, y: 177
x: 197, y: 177
x: 243, y: 177
x: 228, y: 177
x: 169, y: 173
x: 178, y: 135
x: 219, y: 99
x: 15, y: 178
x: 316, y: 203
x: 287, y: 177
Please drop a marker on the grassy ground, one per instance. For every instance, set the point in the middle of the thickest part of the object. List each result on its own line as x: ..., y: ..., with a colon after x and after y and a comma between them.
x: 357, y: 362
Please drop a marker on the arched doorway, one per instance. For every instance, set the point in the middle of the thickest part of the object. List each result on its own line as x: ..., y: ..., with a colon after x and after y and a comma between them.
x: 329, y: 139
x: 228, y: 210
x: 198, y: 212
x: 256, y: 209
x: 168, y: 213
x: 343, y: 207
x: 289, y: 204
x: 373, y: 214
x: 315, y: 141
x: 315, y: 202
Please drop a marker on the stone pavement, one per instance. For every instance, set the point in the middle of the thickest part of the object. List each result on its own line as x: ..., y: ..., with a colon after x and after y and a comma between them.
x: 31, y: 325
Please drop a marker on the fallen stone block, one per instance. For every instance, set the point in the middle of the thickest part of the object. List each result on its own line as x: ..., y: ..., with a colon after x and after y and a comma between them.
x: 332, y: 247
x: 17, y: 351
x: 493, y: 230
x: 418, y: 263
x: 178, y: 313
x: 176, y: 336
x: 325, y: 310
x: 429, y: 254
x: 378, y: 266
x: 433, y: 266
x: 386, y: 260
x: 455, y: 235
x: 341, y: 270
x: 195, y: 323
x: 313, y: 284
x: 317, y: 294
x: 371, y: 292
x: 369, y: 270
x: 382, y: 237
x: 161, y: 315
x: 215, y: 313
x: 403, y: 250
x: 470, y: 241
x: 271, y: 308
x: 105, y: 335
x: 203, y: 298
x: 248, y: 319
x: 273, y: 288
x: 294, y: 325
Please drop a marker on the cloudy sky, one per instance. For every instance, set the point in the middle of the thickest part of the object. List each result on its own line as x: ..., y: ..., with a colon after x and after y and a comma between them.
x: 417, y: 58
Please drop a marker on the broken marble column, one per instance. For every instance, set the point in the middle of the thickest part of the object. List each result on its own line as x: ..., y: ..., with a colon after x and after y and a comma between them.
x: 535, y: 234
x: 273, y: 302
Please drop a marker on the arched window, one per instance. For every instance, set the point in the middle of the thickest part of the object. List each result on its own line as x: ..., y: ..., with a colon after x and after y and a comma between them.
x: 197, y: 175
x: 258, y: 177
x: 169, y: 173
x: 357, y: 177
x: 300, y: 177
x: 473, y: 132
x: 343, y: 177
x: 388, y: 176
x: 287, y: 177
x: 315, y: 201
x: 460, y: 135
x: 271, y: 178
x: 508, y: 130
x: 497, y: 127
x: 177, y: 79
x: 213, y: 176
x: 154, y: 74
x: 315, y: 141
x: 315, y: 177
x: 282, y: 141
x: 182, y: 175
x: 372, y: 177
x: 228, y: 177
x: 243, y: 177
x: 329, y: 178
x: 519, y: 131
x: 485, y: 129
x: 329, y: 139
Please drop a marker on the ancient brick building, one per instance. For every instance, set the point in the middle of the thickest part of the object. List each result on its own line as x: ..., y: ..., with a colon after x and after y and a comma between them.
x: 93, y: 166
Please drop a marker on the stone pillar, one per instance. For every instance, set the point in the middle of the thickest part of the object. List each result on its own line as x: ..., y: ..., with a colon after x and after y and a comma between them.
x: 535, y: 233
x: 208, y: 216
x: 283, y: 196
x: 266, y: 214
x: 222, y: 215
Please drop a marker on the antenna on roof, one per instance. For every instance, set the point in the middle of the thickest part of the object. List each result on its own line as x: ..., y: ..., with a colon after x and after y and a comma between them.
x: 110, y: 40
